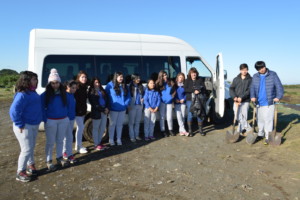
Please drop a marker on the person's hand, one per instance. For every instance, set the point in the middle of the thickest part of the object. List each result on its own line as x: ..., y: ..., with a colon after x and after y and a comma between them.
x: 106, y: 111
x: 276, y: 100
x: 181, y: 101
x: 196, y: 92
x: 177, y: 101
x: 239, y: 99
x: 235, y: 99
x: 253, y: 100
x: 21, y: 130
x: 142, y: 100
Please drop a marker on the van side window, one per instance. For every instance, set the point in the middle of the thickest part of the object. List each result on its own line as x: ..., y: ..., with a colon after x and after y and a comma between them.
x: 104, y: 67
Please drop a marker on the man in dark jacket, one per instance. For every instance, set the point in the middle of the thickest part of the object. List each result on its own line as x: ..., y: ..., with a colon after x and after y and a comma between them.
x: 266, y: 88
x: 240, y: 93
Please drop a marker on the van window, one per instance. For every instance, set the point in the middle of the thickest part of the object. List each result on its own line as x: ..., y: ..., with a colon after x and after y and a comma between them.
x: 104, y: 67
x: 199, y: 65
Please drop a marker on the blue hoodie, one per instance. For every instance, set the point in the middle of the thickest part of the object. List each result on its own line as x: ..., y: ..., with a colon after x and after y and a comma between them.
x: 71, y: 105
x: 26, y: 109
x: 117, y: 102
x: 151, y: 99
x: 180, y: 94
x: 55, y: 109
x: 166, y: 96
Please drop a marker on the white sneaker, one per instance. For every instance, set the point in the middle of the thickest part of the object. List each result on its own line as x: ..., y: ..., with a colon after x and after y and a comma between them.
x: 138, y: 138
x: 119, y: 143
x: 133, y: 140
x: 82, y: 150
x: 112, y: 143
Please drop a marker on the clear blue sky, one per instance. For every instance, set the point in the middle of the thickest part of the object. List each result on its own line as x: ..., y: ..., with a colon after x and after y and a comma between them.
x: 244, y: 31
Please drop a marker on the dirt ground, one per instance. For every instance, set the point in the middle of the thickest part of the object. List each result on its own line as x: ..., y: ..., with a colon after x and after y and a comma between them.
x: 167, y: 168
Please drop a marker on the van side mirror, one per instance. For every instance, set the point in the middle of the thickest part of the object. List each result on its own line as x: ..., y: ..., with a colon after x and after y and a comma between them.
x: 225, y: 74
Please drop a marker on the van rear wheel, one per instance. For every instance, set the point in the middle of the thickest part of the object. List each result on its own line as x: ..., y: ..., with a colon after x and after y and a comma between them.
x: 88, y: 131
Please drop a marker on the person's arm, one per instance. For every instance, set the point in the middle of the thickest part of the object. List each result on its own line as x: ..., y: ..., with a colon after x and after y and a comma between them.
x: 188, y: 88
x: 128, y: 97
x: 246, y: 94
x: 252, y: 91
x: 279, y: 88
x: 232, y: 89
x: 16, y: 110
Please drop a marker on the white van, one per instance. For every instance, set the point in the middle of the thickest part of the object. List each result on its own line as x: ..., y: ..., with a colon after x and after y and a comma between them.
x: 101, y: 54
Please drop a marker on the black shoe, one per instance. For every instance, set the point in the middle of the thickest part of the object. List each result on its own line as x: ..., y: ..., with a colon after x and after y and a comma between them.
x: 164, y: 134
x: 190, y: 129
x: 51, y: 167
x: 172, y: 133
x: 200, y: 125
x: 31, y: 170
x: 23, y: 177
x: 62, y: 162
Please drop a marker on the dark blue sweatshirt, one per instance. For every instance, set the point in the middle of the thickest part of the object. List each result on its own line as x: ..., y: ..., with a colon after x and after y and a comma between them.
x: 26, y: 109
x: 72, y: 106
x: 55, y: 109
x: 151, y: 99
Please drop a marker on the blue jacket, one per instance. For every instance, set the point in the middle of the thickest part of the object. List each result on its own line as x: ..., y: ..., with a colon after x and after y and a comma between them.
x: 151, y: 99
x: 274, y: 88
x: 55, y: 109
x: 166, y: 94
x: 180, y: 94
x: 71, y: 105
x: 117, y: 102
x: 26, y: 109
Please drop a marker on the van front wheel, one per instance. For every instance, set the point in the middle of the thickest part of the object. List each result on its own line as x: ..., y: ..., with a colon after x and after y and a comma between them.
x: 88, y: 131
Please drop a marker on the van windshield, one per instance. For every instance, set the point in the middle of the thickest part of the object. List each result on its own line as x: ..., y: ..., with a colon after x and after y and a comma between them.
x: 104, y: 67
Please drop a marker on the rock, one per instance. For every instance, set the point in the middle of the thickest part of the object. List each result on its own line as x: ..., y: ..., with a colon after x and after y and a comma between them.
x: 170, y: 181
x: 159, y: 182
x: 266, y: 194
x: 117, y: 165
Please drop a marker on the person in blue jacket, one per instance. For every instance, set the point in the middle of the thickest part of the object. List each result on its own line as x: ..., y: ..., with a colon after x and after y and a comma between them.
x: 55, y: 109
x: 152, y: 102
x: 71, y: 87
x: 118, y: 101
x: 167, y: 92
x: 179, y: 100
x: 265, y: 89
x: 98, y: 100
x: 26, y: 114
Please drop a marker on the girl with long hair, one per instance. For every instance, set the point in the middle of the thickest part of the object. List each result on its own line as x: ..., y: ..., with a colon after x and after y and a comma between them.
x: 98, y: 100
x: 26, y: 114
x: 118, y: 101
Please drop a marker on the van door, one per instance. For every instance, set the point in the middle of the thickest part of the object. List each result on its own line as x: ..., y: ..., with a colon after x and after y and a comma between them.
x: 219, y: 87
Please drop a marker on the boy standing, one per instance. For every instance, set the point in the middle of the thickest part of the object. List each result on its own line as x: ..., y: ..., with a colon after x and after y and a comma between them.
x: 240, y: 92
x: 266, y: 88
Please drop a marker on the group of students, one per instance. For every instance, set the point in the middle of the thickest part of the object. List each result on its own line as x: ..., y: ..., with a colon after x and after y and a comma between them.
x: 264, y: 89
x: 61, y: 105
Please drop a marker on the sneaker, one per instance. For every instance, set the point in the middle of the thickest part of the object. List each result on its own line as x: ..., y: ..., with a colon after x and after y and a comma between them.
x: 138, y: 138
x: 172, y: 133
x: 65, y: 155
x: 147, y: 138
x: 31, y: 170
x: 62, y: 162
x: 82, y: 150
x: 152, y: 138
x: 133, y: 140
x: 23, y: 177
x: 50, y: 166
x: 266, y: 142
x: 182, y: 134
x: 72, y: 160
x: 119, y: 143
x: 99, y: 147
x: 112, y: 143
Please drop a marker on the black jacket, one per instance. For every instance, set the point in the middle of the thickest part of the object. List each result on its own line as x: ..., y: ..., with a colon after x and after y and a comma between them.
x: 190, y: 86
x: 96, y: 108
x: 241, y: 87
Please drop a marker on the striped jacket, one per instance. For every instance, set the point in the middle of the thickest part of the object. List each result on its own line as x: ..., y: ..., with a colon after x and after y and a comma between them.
x: 274, y: 87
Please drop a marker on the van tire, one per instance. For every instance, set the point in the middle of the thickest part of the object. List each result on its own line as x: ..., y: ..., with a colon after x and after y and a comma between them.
x: 88, y: 131
x: 228, y: 113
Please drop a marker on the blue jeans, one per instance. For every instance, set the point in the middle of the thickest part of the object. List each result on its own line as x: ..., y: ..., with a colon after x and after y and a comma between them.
x: 190, y: 115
